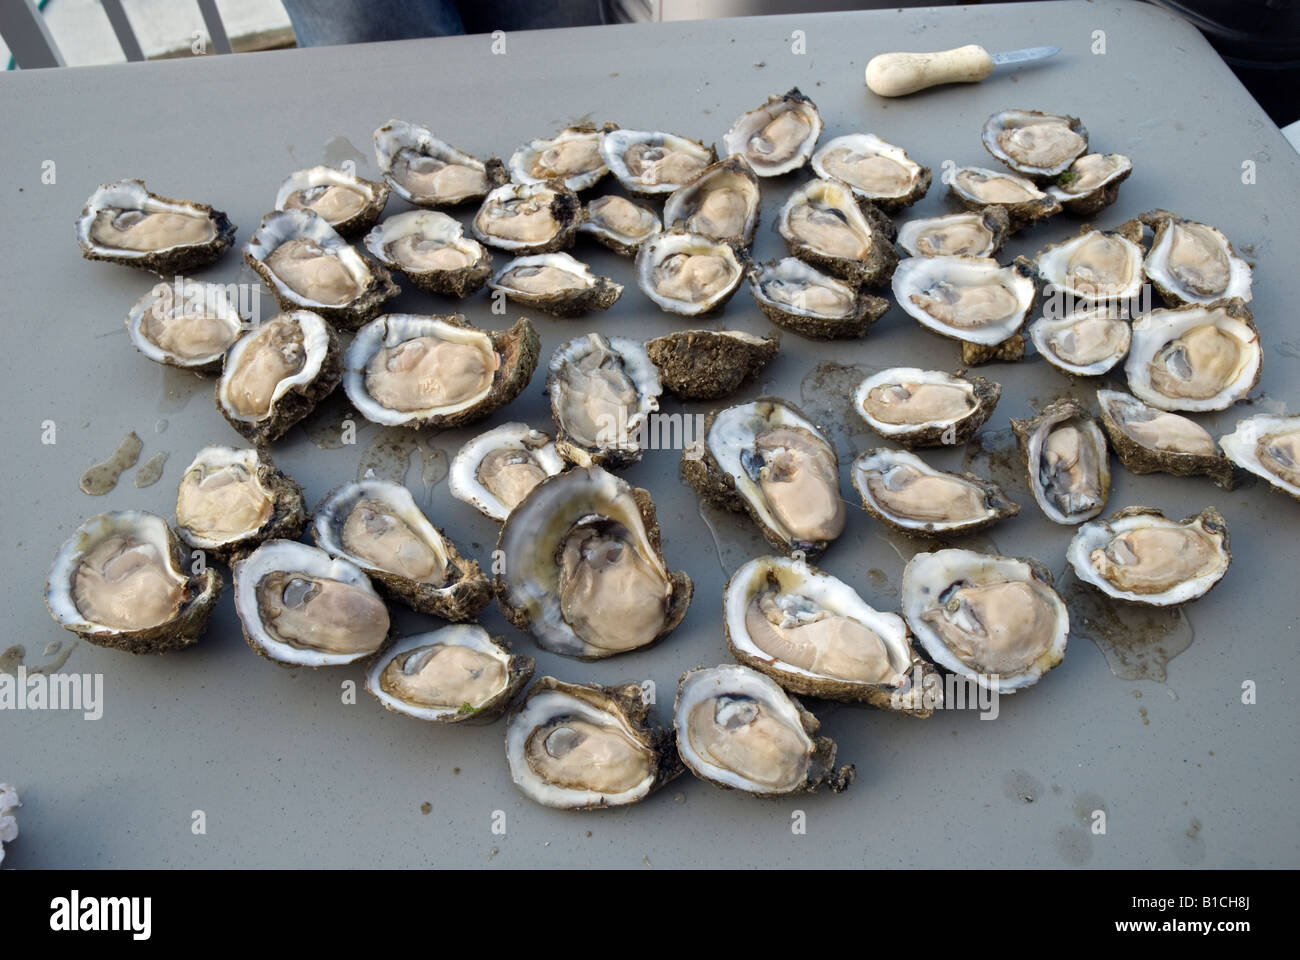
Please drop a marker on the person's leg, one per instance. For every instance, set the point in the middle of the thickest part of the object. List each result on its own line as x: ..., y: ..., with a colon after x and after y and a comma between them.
x: 318, y: 23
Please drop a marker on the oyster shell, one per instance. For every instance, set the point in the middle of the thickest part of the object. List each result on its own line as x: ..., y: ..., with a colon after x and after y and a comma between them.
x: 308, y: 266
x: 873, y: 169
x: 995, y: 620
x: 740, y: 731
x: 806, y: 301
x: 1269, y: 447
x: 571, y: 156
x: 583, y: 568
x: 1093, y: 266
x: 120, y: 581
x: 376, y: 525
x: 1039, y: 145
x: 973, y: 299
x: 1068, y: 462
x: 348, y: 203
x: 431, y: 249
x: 978, y: 188
x: 450, y: 675
x: 925, y: 408
x: 230, y: 500
x: 1148, y: 440
x: 689, y: 274
x: 1091, y: 182
x: 123, y: 222
x: 722, y: 203
x: 301, y: 608
x: 497, y: 469
x: 190, y: 325
x: 977, y: 233
x: 415, y: 371
x: 556, y: 284
x: 528, y: 218
x: 585, y: 747
x: 9, y: 805
x: 707, y: 364
x: 1194, y: 358
x: 903, y: 491
x: 429, y: 173
x: 648, y: 162
x: 766, y: 458
x: 825, y: 224
x: 1140, y: 556
x: 815, y: 636
x: 1192, y: 262
x: 603, y: 392
x: 619, y: 223
x: 1086, y: 342
x: 777, y: 137
x: 275, y: 374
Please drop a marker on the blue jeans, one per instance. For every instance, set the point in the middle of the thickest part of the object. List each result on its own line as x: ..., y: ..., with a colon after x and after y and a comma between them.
x: 320, y: 23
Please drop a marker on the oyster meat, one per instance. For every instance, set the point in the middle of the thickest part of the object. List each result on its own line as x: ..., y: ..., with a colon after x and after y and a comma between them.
x: 1148, y: 440
x: 978, y: 188
x: 806, y: 301
x: 903, y: 491
x: 1093, y: 266
x: 875, y: 170
x: 722, y: 203
x: 528, y: 218
x: 740, y: 731
x: 1194, y: 358
x: 1192, y: 262
x: 450, y: 675
x: 925, y: 408
x: 348, y: 203
x: 603, y: 391
x: 189, y: 325
x: 1141, y: 556
x: 571, y: 156
x: 431, y: 249
x: 1091, y: 182
x: 707, y: 364
x: 583, y: 568
x: 977, y: 233
x: 689, y: 274
x: 377, y: 526
x: 556, y: 284
x: 619, y: 223
x: 497, y: 469
x: 1269, y: 447
x: 1068, y: 461
x: 777, y: 137
x: 123, y: 222
x: 230, y: 500
x: 1087, y: 342
x: 1039, y: 145
x: 584, y: 747
x: 122, y: 581
x: 648, y: 163
x: 429, y: 173
x: 824, y: 223
x: 973, y: 299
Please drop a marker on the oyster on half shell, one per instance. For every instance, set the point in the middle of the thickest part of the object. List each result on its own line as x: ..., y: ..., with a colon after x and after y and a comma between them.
x: 557, y: 284
x: 571, y: 156
x: 1091, y: 182
x: 1269, y: 447
x: 972, y: 299
x: 722, y: 203
x: 528, y: 218
x: 689, y: 274
x: 603, y: 391
x: 431, y: 249
x: 123, y: 222
x: 1093, y: 266
x: 1068, y: 461
x: 1086, y: 342
x: 497, y: 469
x: 976, y: 233
x: 429, y: 173
x: 230, y: 500
x: 192, y: 330
x: 619, y: 223
x: 875, y: 170
x: 1192, y: 262
x: 1148, y: 440
x: 1039, y: 145
x: 806, y: 301
x: 925, y: 408
x: 826, y: 224
x: 348, y: 203
x: 903, y: 491
x: 978, y: 188
x: 648, y: 163
x: 777, y: 137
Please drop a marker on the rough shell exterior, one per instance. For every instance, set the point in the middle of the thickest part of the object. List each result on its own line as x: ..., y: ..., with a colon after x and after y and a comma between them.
x: 708, y: 364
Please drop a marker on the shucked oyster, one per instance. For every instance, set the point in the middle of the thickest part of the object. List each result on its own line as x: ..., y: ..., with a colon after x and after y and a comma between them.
x: 925, y: 408
x: 806, y: 301
x: 121, y: 581
x: 1194, y: 358
x: 1192, y: 262
x: 814, y: 635
x: 415, y: 371
x: 583, y: 568
x: 429, y: 173
x: 648, y: 163
x: 526, y: 218
x: 430, y: 248
x: 277, y: 373
x: 824, y: 223
x: 777, y: 137
x: 1149, y: 440
x: 378, y: 526
x: 876, y: 170
x: 1068, y: 461
x: 123, y: 222
x: 978, y: 233
x: 973, y: 299
x: 348, y: 203
x: 722, y: 203
x: 619, y: 223
x: 1086, y: 342
x: 738, y: 730
x: 1039, y: 145
x: 572, y: 156
x: 497, y: 469
x: 301, y: 608
x: 978, y: 188
x: 689, y: 274
x: 902, y: 490
x: 766, y: 458
x: 450, y: 675
x: 231, y: 500
x: 1091, y: 182
x: 1093, y: 266
x: 189, y: 325
x: 603, y: 392
x: 1269, y: 447
x: 557, y: 284
x: 309, y: 266
x: 707, y: 364
x: 995, y: 620
x: 585, y: 747
x: 1141, y: 556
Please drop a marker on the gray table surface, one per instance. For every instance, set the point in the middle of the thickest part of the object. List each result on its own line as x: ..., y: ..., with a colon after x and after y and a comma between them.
x: 1144, y: 719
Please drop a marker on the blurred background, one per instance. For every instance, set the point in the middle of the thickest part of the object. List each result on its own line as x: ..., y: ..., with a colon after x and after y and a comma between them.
x: 1259, y: 39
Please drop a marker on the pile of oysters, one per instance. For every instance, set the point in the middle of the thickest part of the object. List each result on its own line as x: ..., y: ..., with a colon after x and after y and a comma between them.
x: 585, y: 571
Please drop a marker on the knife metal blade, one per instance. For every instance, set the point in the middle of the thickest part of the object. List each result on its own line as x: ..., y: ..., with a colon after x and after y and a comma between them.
x: 1024, y: 56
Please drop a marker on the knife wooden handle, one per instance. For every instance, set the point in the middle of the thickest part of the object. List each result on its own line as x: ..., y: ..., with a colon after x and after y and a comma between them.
x: 897, y: 74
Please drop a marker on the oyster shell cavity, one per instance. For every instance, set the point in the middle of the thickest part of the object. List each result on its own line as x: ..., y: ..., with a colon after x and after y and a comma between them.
x: 1194, y: 358
x: 777, y: 137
